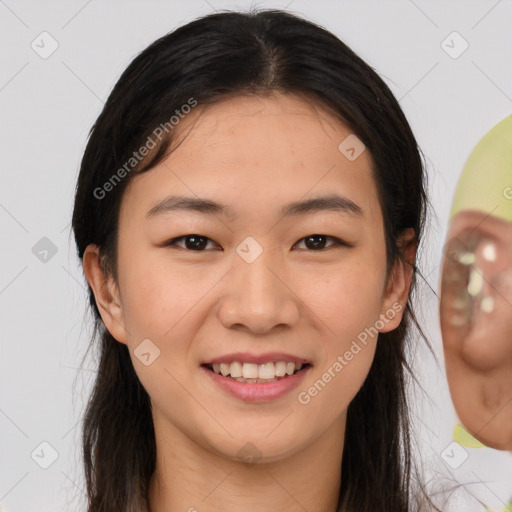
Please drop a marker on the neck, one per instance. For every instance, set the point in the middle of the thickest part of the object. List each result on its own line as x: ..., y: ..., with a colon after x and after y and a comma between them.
x: 189, y: 477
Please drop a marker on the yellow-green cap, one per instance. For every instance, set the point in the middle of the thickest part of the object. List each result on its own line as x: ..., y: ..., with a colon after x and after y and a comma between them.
x: 486, y: 180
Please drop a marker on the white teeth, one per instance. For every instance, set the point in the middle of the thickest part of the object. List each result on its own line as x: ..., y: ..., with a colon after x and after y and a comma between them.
x: 489, y: 252
x: 280, y: 369
x: 476, y: 283
x: 487, y: 305
x: 252, y: 372
x: 255, y: 381
x: 468, y: 258
x: 235, y: 369
x: 266, y: 371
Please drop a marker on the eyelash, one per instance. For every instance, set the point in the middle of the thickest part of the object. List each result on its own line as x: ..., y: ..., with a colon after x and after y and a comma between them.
x: 337, y: 242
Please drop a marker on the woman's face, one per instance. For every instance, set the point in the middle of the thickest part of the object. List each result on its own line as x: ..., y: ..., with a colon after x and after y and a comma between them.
x: 254, y: 285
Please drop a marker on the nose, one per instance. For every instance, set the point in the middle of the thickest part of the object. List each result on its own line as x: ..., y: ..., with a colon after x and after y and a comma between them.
x: 259, y: 296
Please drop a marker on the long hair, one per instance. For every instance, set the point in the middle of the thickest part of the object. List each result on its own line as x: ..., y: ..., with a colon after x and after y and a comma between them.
x: 212, y: 58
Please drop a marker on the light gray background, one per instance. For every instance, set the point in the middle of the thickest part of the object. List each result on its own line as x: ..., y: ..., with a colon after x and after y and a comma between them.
x: 47, y: 107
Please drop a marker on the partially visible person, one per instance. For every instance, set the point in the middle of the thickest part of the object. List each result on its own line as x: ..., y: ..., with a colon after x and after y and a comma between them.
x: 476, y: 291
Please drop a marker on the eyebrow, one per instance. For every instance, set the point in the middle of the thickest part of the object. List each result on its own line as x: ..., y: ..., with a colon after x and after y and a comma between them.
x: 329, y: 203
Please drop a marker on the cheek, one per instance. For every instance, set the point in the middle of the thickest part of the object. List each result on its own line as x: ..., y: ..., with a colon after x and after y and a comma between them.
x: 169, y: 303
x: 156, y: 296
x: 346, y: 297
x: 344, y: 305
x: 348, y: 302
x: 349, y: 306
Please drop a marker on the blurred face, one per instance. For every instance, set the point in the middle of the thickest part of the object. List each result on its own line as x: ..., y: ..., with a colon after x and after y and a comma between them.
x: 476, y: 323
x: 252, y: 277
x: 476, y: 291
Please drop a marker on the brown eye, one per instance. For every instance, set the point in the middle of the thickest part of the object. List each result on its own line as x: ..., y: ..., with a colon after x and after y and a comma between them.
x: 198, y: 243
x: 318, y: 242
x: 192, y: 242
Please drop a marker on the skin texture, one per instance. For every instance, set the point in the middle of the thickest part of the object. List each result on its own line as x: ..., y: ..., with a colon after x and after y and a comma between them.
x: 478, y: 349
x: 254, y: 155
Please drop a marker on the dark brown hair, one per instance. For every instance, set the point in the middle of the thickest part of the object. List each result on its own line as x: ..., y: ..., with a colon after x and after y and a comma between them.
x: 209, y: 59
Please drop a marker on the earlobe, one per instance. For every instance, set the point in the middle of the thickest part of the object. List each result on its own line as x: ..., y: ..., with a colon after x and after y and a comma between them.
x: 399, y: 283
x: 106, y: 293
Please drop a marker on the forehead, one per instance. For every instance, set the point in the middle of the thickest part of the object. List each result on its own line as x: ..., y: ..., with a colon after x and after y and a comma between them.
x: 258, y: 151
x: 278, y: 123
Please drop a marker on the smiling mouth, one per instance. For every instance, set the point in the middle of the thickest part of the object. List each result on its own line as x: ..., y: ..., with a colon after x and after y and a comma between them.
x: 252, y: 373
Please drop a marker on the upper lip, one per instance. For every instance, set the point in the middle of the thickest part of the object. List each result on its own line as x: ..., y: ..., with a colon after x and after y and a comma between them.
x: 246, y: 357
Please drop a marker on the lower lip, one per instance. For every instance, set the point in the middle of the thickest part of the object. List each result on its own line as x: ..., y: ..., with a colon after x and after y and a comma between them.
x: 258, y: 392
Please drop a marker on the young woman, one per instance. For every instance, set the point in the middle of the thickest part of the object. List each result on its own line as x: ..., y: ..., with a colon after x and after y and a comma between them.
x: 248, y: 212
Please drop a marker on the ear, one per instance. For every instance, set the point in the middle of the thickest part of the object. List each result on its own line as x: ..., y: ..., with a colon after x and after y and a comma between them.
x: 106, y: 293
x: 399, y: 282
